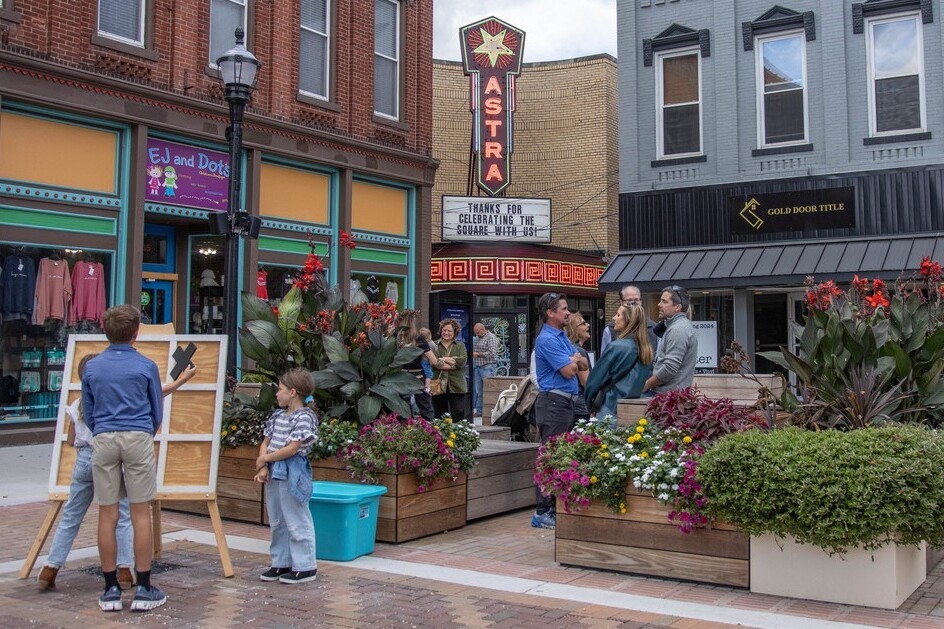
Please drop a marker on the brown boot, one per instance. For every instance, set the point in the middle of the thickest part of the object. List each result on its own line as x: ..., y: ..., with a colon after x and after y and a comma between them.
x: 126, y: 578
x: 47, y: 577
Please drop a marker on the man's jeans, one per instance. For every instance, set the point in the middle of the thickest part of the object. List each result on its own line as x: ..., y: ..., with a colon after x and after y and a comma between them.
x: 80, y: 497
x: 478, y: 386
x: 293, y: 532
x: 555, y: 415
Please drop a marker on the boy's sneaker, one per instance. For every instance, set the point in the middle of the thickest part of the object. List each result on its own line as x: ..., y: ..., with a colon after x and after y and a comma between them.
x: 145, y: 599
x: 546, y: 520
x: 273, y: 574
x: 110, y: 601
x: 47, y: 577
x: 296, y: 576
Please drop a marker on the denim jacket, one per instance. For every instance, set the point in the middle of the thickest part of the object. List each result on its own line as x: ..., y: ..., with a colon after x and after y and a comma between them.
x: 297, y: 471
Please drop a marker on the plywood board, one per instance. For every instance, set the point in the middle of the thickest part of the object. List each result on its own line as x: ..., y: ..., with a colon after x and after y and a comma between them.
x: 187, y: 443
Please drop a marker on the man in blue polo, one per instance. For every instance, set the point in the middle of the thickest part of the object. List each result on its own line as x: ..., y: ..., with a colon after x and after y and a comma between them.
x: 556, y: 366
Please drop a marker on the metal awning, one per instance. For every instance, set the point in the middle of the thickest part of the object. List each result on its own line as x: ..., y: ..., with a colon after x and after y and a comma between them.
x: 773, y: 263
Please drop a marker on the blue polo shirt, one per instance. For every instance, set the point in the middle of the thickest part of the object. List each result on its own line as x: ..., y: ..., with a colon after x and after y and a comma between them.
x: 551, y: 352
x: 121, y: 392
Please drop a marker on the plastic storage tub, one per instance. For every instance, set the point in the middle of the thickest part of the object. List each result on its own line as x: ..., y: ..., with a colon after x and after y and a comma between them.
x: 345, y: 516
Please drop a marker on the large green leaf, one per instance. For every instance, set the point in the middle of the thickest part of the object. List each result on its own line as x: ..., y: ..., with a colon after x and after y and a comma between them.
x: 346, y: 371
x: 327, y: 379
x: 777, y: 358
x: 393, y: 400
x: 255, y: 309
x: 405, y: 355
x: 880, y: 333
x: 401, y: 382
x: 385, y: 356
x: 919, y: 333
x: 933, y: 344
x: 268, y: 334
x: 368, y: 408
x: 334, y: 348
x: 353, y: 389
x: 289, y: 308
x: 266, y: 396
x: 901, y: 358
x: 251, y: 346
x: 339, y: 409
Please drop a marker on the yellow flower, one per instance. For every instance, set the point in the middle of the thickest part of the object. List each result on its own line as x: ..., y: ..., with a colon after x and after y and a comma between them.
x: 452, y: 435
x: 604, y: 455
x: 603, y: 446
x: 630, y: 439
x: 232, y: 427
x: 448, y: 420
x: 593, y: 479
x: 450, y: 443
x: 643, y: 421
x: 622, y: 507
x: 334, y: 421
x: 643, y: 455
x: 640, y: 429
x: 686, y: 439
x: 224, y: 433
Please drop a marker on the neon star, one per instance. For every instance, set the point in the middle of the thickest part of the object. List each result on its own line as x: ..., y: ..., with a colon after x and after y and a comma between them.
x: 493, y: 46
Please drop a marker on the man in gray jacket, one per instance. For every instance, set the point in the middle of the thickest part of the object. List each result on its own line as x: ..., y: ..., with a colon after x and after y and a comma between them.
x: 674, y: 365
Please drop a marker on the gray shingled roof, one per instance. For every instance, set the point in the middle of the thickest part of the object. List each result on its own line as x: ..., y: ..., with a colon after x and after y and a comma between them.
x: 773, y: 263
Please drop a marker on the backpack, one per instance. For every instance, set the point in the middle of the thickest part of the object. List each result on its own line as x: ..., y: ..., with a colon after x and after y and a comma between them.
x: 506, y: 399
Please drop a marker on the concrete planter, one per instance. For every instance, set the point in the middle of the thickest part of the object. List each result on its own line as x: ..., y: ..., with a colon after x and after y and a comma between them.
x: 883, y: 578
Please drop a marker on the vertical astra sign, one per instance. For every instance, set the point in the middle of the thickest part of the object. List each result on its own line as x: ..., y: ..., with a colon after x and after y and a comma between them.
x: 491, y: 56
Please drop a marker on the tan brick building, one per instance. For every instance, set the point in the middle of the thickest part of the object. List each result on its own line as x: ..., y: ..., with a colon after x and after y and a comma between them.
x: 565, y: 149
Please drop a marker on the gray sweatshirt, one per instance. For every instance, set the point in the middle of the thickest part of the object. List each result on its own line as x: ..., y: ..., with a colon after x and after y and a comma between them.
x: 674, y: 364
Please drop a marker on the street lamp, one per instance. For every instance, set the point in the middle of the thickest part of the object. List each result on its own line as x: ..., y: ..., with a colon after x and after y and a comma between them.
x: 239, y: 70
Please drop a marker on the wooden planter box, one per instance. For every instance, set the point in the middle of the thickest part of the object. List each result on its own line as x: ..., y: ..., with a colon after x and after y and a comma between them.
x: 238, y: 496
x: 882, y: 578
x: 502, y: 479
x: 643, y: 541
x: 405, y: 513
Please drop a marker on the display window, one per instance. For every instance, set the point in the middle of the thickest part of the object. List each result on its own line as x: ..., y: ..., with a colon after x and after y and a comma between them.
x: 273, y: 281
x: 374, y: 288
x: 46, y: 293
x: 207, y: 259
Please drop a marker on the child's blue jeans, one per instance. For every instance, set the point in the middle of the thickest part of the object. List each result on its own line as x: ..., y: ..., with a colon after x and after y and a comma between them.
x: 293, y: 532
x: 80, y: 497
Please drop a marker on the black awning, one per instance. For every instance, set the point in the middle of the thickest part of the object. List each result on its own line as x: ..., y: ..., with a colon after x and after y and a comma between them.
x: 773, y: 263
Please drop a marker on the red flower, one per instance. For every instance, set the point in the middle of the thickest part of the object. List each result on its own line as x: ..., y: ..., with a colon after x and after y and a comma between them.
x: 930, y: 270
x: 860, y: 285
x: 878, y: 285
x: 876, y: 300
x: 347, y: 240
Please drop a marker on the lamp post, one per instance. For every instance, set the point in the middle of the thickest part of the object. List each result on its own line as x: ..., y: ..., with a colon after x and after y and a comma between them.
x: 238, y: 72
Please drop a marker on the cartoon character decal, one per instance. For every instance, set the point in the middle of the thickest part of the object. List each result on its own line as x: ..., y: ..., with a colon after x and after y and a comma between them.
x: 170, y: 181
x: 154, y: 173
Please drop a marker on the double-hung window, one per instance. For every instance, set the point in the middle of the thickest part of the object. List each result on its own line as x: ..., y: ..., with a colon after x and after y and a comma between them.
x: 225, y: 16
x: 387, y: 58
x: 314, y: 47
x: 781, y: 89
x: 896, y: 75
x: 122, y: 20
x: 678, y: 103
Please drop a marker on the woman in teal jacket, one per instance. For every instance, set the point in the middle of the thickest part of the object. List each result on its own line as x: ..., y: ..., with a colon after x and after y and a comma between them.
x: 622, y: 370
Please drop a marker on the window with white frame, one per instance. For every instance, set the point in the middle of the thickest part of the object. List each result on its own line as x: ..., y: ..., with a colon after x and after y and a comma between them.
x: 896, y: 75
x: 225, y: 16
x: 122, y: 20
x: 314, y: 46
x: 678, y: 103
x: 387, y: 58
x: 781, y: 93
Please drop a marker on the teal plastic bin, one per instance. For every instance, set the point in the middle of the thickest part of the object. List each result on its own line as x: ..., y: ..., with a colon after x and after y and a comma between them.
x: 345, y: 516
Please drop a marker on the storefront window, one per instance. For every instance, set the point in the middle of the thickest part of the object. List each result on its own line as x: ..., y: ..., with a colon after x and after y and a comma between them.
x: 719, y: 308
x: 45, y: 294
x: 207, y: 255
x: 273, y: 281
x: 374, y: 288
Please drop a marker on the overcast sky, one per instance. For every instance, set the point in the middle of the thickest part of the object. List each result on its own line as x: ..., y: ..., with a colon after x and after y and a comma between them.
x: 554, y: 29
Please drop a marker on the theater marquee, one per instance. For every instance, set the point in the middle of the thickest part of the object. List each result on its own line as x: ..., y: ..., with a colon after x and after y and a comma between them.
x: 491, y: 219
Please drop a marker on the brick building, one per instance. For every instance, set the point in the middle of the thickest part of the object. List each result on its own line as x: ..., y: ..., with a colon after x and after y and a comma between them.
x: 565, y: 150
x: 762, y: 143
x: 113, y: 153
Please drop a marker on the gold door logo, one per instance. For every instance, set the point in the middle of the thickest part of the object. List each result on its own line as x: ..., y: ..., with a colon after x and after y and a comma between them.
x: 748, y: 213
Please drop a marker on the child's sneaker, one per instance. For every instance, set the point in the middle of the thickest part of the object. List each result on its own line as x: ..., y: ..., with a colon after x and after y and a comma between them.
x: 47, y: 577
x: 273, y: 574
x: 296, y: 576
x: 546, y: 520
x: 110, y: 601
x: 145, y: 599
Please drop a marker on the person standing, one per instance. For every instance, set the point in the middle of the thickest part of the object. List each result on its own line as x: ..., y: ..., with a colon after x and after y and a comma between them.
x: 408, y: 336
x: 578, y: 331
x: 122, y: 404
x: 622, y: 372
x: 674, y: 366
x: 629, y: 296
x: 556, y: 366
x: 449, y: 369
x: 485, y: 359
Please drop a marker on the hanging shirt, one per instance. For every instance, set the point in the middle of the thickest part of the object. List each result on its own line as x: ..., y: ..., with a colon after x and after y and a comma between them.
x: 88, y: 291
x: 53, y: 291
x: 262, y: 290
x: 18, y: 286
x: 373, y: 289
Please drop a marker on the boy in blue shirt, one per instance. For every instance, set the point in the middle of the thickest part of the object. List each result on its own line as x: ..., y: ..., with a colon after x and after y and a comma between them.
x: 123, y: 407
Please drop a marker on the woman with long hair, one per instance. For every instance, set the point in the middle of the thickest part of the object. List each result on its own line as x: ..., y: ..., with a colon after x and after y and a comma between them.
x: 408, y: 336
x: 578, y: 332
x: 622, y: 371
x: 449, y: 370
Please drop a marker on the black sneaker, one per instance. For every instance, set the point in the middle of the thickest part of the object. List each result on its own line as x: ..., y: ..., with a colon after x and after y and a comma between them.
x: 273, y: 574
x: 303, y: 576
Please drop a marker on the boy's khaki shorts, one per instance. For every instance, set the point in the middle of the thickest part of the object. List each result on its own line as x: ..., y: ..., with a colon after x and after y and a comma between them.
x: 138, y: 480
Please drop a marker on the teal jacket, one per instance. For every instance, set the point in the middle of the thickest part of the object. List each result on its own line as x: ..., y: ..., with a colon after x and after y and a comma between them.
x: 616, y: 374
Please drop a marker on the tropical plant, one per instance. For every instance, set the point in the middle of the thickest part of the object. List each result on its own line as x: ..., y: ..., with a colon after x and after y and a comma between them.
x: 833, y: 489
x: 688, y: 411
x: 898, y: 334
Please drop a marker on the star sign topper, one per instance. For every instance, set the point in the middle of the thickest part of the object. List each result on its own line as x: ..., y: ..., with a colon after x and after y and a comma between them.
x: 491, y: 56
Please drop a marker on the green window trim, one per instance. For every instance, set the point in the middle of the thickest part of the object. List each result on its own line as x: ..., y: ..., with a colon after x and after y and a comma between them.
x: 60, y: 221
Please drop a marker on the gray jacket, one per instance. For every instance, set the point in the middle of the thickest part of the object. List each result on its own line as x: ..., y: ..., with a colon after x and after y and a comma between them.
x: 674, y: 364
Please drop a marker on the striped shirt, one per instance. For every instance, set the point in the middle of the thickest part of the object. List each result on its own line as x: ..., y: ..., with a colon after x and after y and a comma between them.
x: 487, y: 345
x: 283, y: 427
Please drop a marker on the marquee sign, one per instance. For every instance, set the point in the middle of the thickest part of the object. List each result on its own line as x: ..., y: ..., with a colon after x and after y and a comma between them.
x: 522, y: 273
x: 491, y: 56
x: 487, y: 219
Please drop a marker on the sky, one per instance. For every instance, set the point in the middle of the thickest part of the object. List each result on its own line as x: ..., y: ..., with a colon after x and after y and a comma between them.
x: 553, y: 28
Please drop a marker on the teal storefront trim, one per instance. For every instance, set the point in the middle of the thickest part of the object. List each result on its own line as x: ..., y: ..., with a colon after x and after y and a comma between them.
x: 289, y: 245
x: 13, y: 189
x: 383, y: 256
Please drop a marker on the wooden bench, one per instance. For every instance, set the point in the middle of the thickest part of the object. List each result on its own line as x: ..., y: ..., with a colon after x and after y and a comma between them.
x: 493, y: 433
x: 492, y: 388
x: 714, y: 386
x: 502, y: 479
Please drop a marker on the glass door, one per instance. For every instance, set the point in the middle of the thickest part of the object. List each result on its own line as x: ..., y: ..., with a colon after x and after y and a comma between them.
x: 157, y: 301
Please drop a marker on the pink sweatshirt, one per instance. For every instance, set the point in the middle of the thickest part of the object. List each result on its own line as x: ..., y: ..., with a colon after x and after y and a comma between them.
x: 88, y: 291
x: 53, y: 291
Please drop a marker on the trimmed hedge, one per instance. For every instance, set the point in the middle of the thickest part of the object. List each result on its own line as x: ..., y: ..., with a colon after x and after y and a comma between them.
x: 833, y: 489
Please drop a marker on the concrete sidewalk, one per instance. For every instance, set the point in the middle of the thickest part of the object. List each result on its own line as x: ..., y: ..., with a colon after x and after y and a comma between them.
x: 498, y: 572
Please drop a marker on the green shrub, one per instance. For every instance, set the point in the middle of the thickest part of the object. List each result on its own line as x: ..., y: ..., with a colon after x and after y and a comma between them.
x: 832, y: 489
